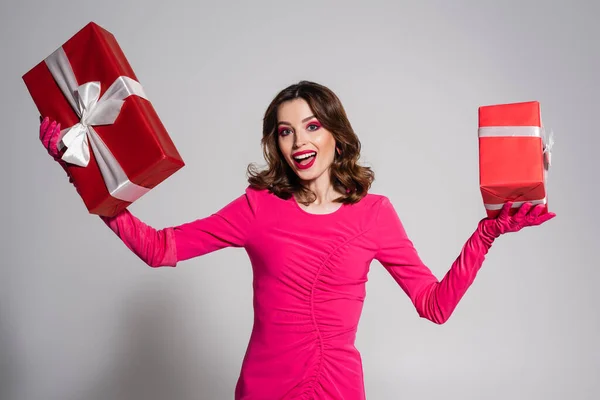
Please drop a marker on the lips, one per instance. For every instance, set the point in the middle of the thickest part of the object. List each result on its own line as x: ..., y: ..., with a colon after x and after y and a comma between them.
x: 304, y: 159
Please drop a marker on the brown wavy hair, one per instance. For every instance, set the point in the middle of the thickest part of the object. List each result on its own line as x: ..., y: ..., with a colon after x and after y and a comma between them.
x: 347, y: 176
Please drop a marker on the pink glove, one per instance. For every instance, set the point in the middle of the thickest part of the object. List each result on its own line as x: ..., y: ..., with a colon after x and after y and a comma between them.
x: 49, y: 136
x: 527, y: 215
x: 155, y: 248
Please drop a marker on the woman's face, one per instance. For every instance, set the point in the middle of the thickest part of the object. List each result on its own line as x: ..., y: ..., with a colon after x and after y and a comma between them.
x: 308, y: 148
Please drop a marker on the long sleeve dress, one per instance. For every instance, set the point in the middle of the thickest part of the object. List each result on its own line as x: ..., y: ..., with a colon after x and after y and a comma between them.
x: 309, y: 276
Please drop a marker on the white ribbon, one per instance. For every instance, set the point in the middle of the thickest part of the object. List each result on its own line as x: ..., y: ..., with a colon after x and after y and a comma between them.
x: 94, y: 110
x: 522, y: 131
x: 509, y: 131
x: 515, y: 204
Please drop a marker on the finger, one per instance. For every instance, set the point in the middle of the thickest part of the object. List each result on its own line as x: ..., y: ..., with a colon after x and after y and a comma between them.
x: 523, y: 210
x: 54, y: 141
x: 535, y: 212
x: 545, y: 217
x: 47, y: 132
x: 505, y: 210
x: 48, y: 135
x: 44, y: 127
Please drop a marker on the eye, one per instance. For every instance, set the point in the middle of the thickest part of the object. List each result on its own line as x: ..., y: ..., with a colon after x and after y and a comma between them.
x: 315, y: 126
x: 283, y: 132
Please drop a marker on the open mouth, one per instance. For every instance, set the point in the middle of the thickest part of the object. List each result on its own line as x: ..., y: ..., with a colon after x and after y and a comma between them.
x: 305, y: 159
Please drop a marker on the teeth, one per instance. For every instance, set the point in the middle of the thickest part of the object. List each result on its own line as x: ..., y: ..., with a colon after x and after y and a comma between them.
x: 305, y: 156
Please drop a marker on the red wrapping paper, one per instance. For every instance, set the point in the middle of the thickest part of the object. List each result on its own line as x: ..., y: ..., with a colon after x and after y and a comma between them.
x: 138, y: 139
x: 511, y: 165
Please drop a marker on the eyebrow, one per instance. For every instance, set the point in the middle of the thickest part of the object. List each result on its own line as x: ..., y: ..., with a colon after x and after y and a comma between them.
x: 304, y: 120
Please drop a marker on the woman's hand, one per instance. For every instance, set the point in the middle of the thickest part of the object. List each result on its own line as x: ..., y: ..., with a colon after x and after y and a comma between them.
x: 527, y: 215
x: 49, y: 136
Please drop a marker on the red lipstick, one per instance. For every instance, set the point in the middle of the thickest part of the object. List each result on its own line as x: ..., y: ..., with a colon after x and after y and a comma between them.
x: 299, y: 153
x: 306, y: 161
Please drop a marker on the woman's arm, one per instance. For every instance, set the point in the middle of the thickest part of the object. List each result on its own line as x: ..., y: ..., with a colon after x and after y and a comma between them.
x: 433, y: 299
x: 228, y: 227
x: 155, y: 247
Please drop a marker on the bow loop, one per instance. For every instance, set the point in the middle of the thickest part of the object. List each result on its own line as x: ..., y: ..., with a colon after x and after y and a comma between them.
x: 88, y: 95
x: 548, y: 143
x: 76, y: 141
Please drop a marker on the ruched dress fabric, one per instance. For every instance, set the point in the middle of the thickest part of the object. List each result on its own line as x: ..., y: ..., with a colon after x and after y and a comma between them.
x: 309, y: 280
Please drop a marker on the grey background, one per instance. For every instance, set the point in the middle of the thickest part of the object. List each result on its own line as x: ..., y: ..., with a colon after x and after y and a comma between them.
x: 82, y: 318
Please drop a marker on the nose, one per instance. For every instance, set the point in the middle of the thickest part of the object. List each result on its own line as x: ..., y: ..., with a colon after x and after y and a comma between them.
x: 300, y: 138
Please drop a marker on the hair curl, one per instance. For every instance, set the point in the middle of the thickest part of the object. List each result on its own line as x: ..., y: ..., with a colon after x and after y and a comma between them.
x: 347, y: 176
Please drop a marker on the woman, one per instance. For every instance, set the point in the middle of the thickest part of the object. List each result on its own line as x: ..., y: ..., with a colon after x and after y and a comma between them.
x: 311, y: 230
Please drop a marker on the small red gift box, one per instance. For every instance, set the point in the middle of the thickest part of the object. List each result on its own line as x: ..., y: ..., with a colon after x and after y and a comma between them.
x: 117, y: 149
x: 512, y: 156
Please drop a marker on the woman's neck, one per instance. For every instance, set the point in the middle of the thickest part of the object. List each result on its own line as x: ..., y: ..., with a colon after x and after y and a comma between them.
x: 324, y: 191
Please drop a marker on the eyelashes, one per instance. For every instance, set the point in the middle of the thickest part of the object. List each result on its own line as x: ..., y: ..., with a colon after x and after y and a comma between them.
x: 315, y: 124
x: 311, y: 127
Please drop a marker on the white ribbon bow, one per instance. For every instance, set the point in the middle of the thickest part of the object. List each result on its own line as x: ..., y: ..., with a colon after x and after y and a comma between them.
x: 548, y: 140
x: 93, y: 111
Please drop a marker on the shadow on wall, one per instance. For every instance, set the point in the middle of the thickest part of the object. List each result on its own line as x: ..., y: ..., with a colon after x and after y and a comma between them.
x: 156, y: 356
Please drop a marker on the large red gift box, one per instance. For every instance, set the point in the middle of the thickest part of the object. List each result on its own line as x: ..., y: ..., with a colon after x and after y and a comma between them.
x: 512, y: 156
x: 116, y: 147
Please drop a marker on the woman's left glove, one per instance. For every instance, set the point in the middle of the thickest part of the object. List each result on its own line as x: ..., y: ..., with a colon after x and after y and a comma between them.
x: 527, y: 215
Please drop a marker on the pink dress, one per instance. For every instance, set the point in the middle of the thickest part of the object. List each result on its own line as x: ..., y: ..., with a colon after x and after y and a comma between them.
x: 309, y: 281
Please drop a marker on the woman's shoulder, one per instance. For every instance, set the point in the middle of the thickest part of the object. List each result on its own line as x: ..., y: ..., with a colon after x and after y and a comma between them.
x: 374, y: 200
x: 258, y: 194
x: 260, y: 198
x: 368, y: 207
x: 379, y: 206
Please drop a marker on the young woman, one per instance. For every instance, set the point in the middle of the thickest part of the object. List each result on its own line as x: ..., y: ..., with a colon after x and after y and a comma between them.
x: 311, y: 230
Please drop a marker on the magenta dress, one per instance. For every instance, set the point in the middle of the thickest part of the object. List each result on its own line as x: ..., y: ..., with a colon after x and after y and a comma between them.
x: 309, y: 281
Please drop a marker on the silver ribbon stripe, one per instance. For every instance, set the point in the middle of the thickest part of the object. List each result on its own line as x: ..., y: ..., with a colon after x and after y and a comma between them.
x: 516, y: 204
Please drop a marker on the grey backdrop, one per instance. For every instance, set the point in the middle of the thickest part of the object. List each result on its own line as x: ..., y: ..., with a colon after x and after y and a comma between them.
x: 82, y: 318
